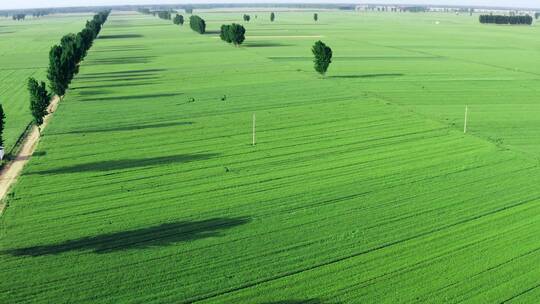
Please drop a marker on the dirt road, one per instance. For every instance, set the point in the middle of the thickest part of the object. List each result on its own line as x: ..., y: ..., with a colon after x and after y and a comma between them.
x: 13, y: 169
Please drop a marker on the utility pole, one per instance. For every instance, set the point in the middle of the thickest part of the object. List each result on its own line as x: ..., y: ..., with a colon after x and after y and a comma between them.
x: 465, y: 122
x: 253, y: 141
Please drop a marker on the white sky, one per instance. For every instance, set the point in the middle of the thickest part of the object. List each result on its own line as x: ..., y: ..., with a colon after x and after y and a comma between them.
x: 11, y: 4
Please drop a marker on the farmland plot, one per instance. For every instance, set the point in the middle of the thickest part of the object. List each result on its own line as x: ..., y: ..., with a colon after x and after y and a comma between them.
x: 145, y: 187
x: 24, y: 53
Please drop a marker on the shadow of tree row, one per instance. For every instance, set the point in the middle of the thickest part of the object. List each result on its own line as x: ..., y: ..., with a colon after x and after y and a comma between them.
x: 108, y: 74
x: 305, y: 301
x: 131, y: 97
x: 121, y: 164
x: 155, y: 236
x: 120, y: 36
x: 130, y: 128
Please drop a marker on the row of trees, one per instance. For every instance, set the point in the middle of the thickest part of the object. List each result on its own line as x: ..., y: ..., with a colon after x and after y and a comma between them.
x: 178, y: 19
x: 197, y: 24
x: 18, y: 17
x: 64, y: 58
x: 165, y: 15
x: 233, y: 33
x: 41, y: 13
x: 144, y: 10
x: 2, y: 125
x: 499, y: 19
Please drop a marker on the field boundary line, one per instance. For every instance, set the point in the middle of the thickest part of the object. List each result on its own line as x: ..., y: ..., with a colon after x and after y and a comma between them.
x: 11, y: 171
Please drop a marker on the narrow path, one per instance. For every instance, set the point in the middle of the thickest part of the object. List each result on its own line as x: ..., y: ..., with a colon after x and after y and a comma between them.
x: 13, y: 169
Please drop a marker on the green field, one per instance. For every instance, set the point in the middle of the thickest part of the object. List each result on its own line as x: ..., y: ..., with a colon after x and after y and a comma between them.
x: 362, y: 187
x: 24, y: 53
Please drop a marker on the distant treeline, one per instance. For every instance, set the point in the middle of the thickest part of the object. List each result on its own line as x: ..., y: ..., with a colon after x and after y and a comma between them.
x: 19, y: 17
x: 499, y: 19
x: 197, y: 24
x: 165, y: 15
x: 64, y: 58
x: 40, y: 13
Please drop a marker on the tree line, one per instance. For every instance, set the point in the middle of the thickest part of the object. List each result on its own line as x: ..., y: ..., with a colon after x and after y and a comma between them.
x: 65, y: 57
x: 499, y: 19
x: 178, y: 19
x: 18, y: 17
x: 64, y: 62
x: 233, y: 33
x: 197, y: 24
x: 165, y: 15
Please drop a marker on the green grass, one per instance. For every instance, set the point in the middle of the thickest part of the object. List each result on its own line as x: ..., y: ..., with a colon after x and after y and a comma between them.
x: 362, y: 186
x: 24, y: 53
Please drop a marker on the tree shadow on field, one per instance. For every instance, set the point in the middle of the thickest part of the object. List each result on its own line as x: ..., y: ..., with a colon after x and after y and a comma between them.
x: 305, y: 301
x: 132, y: 97
x: 119, y: 50
x: 122, y: 164
x: 123, y: 36
x: 212, y: 32
x: 367, y: 76
x: 154, y: 236
x: 120, y: 60
x: 121, y: 73
x: 131, y: 128
x: 265, y: 44
x: 115, y: 85
x: 133, y: 77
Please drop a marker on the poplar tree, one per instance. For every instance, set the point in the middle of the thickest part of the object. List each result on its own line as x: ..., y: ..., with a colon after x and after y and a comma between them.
x: 272, y: 17
x: 39, y: 100
x: 2, y: 124
x: 322, y: 57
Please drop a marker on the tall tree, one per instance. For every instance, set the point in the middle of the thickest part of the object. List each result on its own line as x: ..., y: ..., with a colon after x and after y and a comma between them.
x: 225, y: 33
x: 237, y: 34
x: 2, y: 125
x: 197, y: 24
x: 272, y: 17
x: 247, y: 18
x: 316, y: 17
x: 178, y: 19
x: 64, y: 58
x: 39, y: 100
x: 57, y: 73
x: 322, y: 57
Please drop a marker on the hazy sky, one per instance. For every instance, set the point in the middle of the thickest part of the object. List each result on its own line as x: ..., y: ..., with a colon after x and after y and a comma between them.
x: 10, y: 4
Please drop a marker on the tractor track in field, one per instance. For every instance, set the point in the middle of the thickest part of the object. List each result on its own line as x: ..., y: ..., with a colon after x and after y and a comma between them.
x: 12, y: 170
x: 363, y: 252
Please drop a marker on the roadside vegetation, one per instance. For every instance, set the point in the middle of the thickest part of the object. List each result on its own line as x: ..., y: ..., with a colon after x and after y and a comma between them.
x: 512, y: 20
